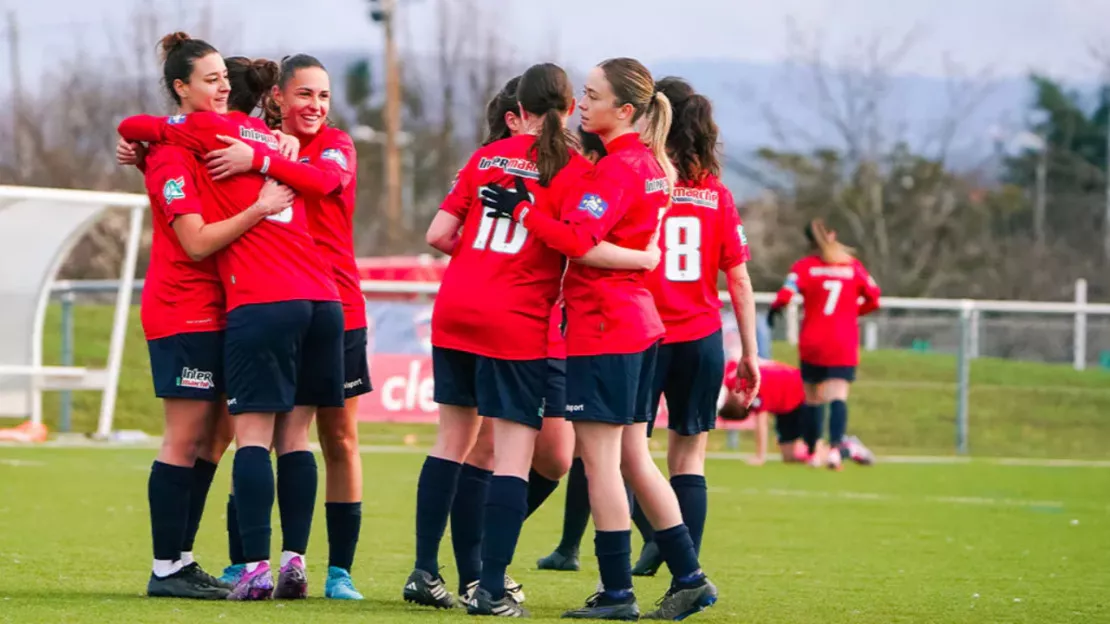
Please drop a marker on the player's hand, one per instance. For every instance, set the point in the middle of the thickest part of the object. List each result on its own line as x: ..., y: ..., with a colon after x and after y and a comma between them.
x: 289, y: 146
x: 234, y: 159
x: 655, y: 254
x: 772, y: 314
x: 273, y: 198
x: 747, y: 379
x: 756, y: 461
x: 130, y: 153
x: 502, y: 202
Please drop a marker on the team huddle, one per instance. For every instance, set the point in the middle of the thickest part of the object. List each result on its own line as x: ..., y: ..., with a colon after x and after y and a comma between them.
x: 582, y: 290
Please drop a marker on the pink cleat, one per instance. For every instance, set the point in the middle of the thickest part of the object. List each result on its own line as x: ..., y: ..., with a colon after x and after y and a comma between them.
x: 256, y: 585
x: 292, y: 581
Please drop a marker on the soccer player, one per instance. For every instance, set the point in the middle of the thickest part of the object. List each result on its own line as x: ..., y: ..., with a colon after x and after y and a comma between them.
x: 701, y: 236
x: 283, y: 352
x: 781, y: 395
x: 613, y: 330
x: 183, y: 320
x: 492, y: 359
x: 837, y: 290
x: 325, y: 173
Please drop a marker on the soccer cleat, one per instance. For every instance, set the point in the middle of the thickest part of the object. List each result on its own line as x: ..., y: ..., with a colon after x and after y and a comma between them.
x: 292, y: 581
x: 680, y: 603
x: 340, y: 586
x: 427, y: 590
x: 560, y: 562
x: 649, y: 562
x: 514, y: 589
x: 858, y: 452
x: 483, y: 604
x: 601, y: 606
x: 466, y: 594
x: 257, y: 585
x: 834, y: 462
x: 233, y: 573
x: 208, y: 578
x: 188, y: 582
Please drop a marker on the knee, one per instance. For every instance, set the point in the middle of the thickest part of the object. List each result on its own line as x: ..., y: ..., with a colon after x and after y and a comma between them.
x: 481, y: 454
x: 553, y: 462
x: 339, y: 446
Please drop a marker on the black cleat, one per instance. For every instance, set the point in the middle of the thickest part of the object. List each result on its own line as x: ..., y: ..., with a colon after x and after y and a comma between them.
x: 649, y: 561
x: 208, y: 578
x: 188, y: 582
x: 559, y: 561
x: 680, y: 603
x: 483, y: 604
x: 601, y: 607
x: 427, y: 590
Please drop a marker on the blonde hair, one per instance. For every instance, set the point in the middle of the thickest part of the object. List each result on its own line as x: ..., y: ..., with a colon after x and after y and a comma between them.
x: 633, y: 84
x: 831, y: 250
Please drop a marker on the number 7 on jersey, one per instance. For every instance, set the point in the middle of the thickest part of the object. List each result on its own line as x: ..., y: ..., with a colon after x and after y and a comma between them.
x: 833, y: 287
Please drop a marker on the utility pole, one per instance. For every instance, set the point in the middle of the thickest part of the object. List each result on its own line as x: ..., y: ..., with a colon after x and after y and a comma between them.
x: 383, y: 12
x: 17, y: 89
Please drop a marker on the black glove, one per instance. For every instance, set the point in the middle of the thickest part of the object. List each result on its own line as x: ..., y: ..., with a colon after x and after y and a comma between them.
x: 771, y: 314
x: 502, y: 202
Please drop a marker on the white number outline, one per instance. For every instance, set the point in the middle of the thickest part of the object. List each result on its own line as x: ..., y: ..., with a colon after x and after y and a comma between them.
x: 691, y: 249
x: 494, y: 233
x: 834, y: 288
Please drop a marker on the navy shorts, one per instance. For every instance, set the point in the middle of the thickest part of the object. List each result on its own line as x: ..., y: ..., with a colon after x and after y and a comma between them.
x: 689, y: 374
x: 356, y: 368
x: 188, y: 366
x: 789, y: 426
x: 277, y: 355
x: 814, y: 374
x: 611, y: 388
x: 555, y: 401
x: 512, y: 390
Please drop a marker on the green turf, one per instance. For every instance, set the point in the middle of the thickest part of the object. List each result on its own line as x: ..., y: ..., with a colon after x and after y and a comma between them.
x: 903, y: 403
x: 894, y: 543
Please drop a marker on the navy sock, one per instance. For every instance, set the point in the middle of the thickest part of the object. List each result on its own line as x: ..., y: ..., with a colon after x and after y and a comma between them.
x: 614, y: 552
x: 539, y: 489
x: 234, y: 544
x: 576, y: 510
x: 252, y: 476
x: 643, y: 525
x: 296, y: 496
x: 344, y: 524
x: 677, y: 550
x: 203, y: 472
x: 468, y: 513
x: 838, y: 422
x: 435, y: 492
x: 506, y: 508
x: 693, y: 500
x: 168, y: 494
x: 813, y: 421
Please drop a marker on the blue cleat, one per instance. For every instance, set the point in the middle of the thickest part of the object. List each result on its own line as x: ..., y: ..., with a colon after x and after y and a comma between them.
x: 233, y: 573
x: 340, y: 586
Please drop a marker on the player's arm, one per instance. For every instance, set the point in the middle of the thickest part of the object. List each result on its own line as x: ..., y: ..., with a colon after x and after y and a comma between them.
x: 761, y: 426
x: 869, y: 291
x: 196, y: 131
x: 743, y: 306
x: 609, y: 256
x: 445, y: 230
x: 785, y: 294
x: 443, y: 233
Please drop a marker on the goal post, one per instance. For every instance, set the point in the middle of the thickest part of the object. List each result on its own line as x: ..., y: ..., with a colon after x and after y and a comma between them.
x: 38, y: 229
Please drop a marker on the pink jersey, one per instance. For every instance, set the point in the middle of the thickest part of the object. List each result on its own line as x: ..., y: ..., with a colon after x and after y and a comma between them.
x: 835, y: 296
x: 701, y: 236
x: 277, y: 259
x: 180, y: 295
x: 497, y: 294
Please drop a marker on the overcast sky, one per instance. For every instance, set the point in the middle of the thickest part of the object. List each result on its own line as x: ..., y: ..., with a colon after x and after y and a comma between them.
x: 1009, y: 36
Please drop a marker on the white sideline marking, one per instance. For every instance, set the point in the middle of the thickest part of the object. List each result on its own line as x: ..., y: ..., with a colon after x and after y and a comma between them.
x: 156, y: 441
x: 21, y: 463
x: 874, y: 496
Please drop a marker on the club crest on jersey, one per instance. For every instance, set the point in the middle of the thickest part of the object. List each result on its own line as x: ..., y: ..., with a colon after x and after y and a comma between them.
x: 454, y: 181
x: 173, y: 189
x: 791, y: 283
x: 656, y: 185
x: 513, y: 166
x: 706, y: 198
x: 593, y: 204
x: 743, y: 236
x: 176, y: 119
x: 336, y: 157
x: 250, y: 134
x: 304, y: 159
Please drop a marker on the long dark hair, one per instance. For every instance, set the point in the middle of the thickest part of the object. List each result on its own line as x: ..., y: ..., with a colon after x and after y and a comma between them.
x: 503, y: 103
x: 250, y: 80
x: 591, y: 144
x: 179, y: 52
x: 692, y: 140
x: 545, y: 91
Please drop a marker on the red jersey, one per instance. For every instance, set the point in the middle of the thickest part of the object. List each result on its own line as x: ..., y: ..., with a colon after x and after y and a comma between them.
x: 835, y: 296
x: 180, y: 295
x: 277, y: 259
x: 556, y: 343
x: 497, y: 294
x: 781, y: 390
x: 608, y: 311
x: 701, y: 236
x: 331, y: 211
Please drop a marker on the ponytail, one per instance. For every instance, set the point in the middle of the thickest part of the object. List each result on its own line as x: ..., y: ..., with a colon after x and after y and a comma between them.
x: 544, y: 90
x: 656, y: 128
x: 831, y: 250
x: 552, y: 147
